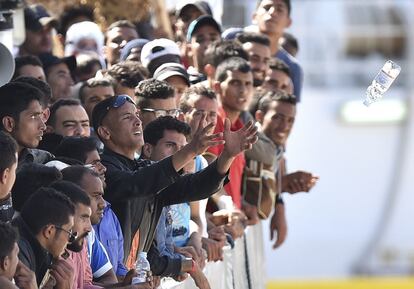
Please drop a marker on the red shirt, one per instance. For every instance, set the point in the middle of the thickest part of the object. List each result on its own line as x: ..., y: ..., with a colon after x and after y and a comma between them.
x: 233, y: 188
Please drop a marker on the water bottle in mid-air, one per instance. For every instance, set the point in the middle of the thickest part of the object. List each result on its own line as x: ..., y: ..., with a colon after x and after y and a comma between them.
x: 382, y: 82
x: 142, y: 267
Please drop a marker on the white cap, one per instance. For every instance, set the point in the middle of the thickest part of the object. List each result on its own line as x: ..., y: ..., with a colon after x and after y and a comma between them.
x: 157, y: 48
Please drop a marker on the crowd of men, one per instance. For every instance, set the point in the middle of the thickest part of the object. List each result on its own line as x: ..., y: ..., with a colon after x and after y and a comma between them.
x: 114, y: 143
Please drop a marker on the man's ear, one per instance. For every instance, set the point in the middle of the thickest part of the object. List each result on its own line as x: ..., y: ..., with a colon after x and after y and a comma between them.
x: 147, y: 150
x: 217, y: 87
x: 47, y: 231
x: 9, y: 123
x: 209, y: 70
x: 104, y: 132
x: 254, y: 21
x: 259, y: 115
x: 4, y: 175
x: 49, y: 129
x: 5, y: 263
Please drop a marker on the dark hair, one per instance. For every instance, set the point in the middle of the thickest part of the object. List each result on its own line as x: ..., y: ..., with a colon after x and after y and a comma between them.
x: 39, y: 84
x: 279, y: 65
x: 47, y: 206
x: 58, y: 104
x: 271, y: 96
x: 152, y: 89
x: 154, y: 131
x: 127, y: 73
x: 9, y: 237
x: 287, y: 2
x: 75, y: 174
x: 29, y: 178
x: 289, y: 42
x: 199, y: 90
x: 16, y: 97
x: 232, y: 64
x: 121, y: 24
x: 91, y: 83
x: 85, y: 64
x: 8, y: 150
x: 21, y: 61
x: 71, y: 12
x: 76, y: 147
x: 253, y: 37
x: 75, y: 193
x: 218, y: 51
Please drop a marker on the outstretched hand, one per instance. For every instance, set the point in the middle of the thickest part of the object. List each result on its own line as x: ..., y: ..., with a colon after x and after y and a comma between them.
x: 202, y: 139
x: 239, y: 141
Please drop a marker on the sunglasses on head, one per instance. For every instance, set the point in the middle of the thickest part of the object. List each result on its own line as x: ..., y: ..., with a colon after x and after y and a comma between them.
x: 120, y: 100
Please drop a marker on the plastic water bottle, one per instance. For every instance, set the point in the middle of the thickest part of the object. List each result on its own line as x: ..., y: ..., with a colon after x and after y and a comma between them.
x: 382, y: 82
x: 142, y: 267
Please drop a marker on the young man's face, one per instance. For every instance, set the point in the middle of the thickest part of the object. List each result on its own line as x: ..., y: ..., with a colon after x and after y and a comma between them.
x: 272, y: 17
x: 124, y: 127
x: 278, y: 80
x: 57, y: 244
x: 60, y: 81
x: 236, y: 91
x: 117, y: 38
x: 32, y: 71
x: 94, y: 95
x: 202, y: 105
x: 38, y: 42
x: 93, y: 159
x: 93, y: 187
x: 278, y: 121
x: 71, y: 120
x: 169, y: 144
x: 259, y: 56
x: 162, y: 107
x: 28, y: 130
x: 82, y: 226
x: 199, y: 42
x: 179, y: 85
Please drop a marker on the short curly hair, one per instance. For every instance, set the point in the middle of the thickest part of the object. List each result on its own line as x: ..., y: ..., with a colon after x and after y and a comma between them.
x: 152, y: 89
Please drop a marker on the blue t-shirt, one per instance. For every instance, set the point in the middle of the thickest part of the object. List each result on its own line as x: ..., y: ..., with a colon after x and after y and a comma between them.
x: 98, y: 258
x: 109, y: 232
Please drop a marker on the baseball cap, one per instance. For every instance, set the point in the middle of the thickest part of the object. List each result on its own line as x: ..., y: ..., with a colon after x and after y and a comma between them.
x: 200, y: 22
x: 171, y: 69
x: 48, y: 60
x: 202, y: 6
x: 162, y: 49
x: 134, y: 43
x: 101, y: 109
x: 36, y: 17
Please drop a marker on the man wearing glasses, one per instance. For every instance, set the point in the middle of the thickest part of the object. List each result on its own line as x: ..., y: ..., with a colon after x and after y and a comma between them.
x: 45, y: 229
x: 155, y: 99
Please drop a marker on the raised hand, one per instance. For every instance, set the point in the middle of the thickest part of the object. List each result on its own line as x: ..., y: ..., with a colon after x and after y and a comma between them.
x: 239, y: 141
x: 202, y: 139
x: 24, y: 277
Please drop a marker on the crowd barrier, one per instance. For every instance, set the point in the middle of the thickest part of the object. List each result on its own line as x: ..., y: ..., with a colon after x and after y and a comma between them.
x: 243, y: 267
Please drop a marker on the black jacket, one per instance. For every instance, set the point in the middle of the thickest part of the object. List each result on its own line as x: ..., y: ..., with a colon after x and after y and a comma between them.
x: 31, y: 253
x: 139, y: 189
